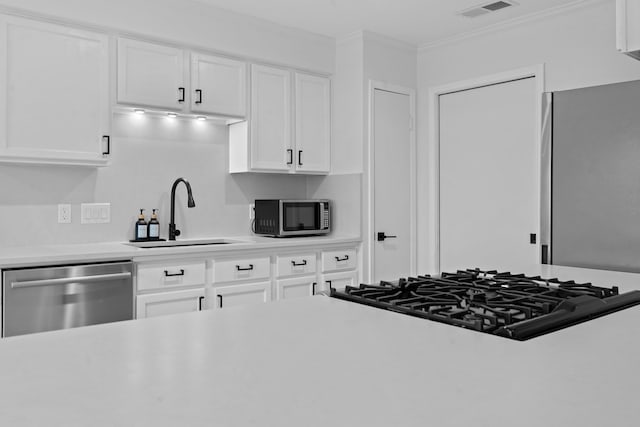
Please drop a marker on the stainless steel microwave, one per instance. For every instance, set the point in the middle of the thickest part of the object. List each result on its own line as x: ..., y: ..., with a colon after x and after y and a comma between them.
x: 281, y: 218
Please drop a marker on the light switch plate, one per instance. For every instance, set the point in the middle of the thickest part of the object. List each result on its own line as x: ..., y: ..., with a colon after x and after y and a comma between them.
x: 95, y: 213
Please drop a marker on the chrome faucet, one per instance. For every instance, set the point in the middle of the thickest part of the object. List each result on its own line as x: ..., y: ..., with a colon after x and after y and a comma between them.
x: 173, y: 232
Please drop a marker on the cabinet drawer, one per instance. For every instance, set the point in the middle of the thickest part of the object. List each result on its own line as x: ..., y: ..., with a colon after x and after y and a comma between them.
x: 344, y: 259
x: 294, y: 265
x: 154, y: 276
x: 241, y: 269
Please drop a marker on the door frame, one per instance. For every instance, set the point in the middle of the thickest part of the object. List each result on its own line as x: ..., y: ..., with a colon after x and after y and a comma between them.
x: 433, y: 158
x: 368, y: 194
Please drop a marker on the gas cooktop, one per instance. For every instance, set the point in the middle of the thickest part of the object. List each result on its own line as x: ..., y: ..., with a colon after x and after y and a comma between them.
x: 510, y: 305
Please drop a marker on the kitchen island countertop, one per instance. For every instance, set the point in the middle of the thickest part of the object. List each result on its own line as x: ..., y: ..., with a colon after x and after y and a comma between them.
x: 319, y: 361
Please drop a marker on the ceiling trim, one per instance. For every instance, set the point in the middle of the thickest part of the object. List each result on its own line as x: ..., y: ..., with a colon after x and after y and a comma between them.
x: 500, y: 26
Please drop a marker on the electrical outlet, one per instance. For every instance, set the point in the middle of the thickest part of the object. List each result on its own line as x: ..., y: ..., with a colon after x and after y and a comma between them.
x: 252, y: 211
x: 64, y: 214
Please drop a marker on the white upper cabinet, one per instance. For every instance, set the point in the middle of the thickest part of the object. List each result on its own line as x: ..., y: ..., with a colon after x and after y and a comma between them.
x: 54, y: 94
x: 270, y: 118
x: 628, y: 27
x: 218, y: 85
x: 313, y: 124
x: 289, y: 127
x: 151, y: 75
x: 161, y: 77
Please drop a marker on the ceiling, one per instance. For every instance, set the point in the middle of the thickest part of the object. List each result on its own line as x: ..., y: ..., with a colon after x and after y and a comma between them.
x: 417, y: 22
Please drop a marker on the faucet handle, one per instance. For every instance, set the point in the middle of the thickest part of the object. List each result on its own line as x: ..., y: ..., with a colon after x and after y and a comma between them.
x: 176, y: 233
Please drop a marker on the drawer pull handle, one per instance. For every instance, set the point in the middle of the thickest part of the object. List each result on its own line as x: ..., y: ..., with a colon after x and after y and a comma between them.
x: 296, y: 264
x: 219, y: 301
x: 181, y: 90
x: 244, y: 269
x: 346, y: 258
x: 313, y: 288
x: 200, y: 303
x: 167, y: 274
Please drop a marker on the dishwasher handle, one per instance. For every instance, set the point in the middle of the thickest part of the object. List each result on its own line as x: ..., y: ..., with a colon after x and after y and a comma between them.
x: 63, y: 280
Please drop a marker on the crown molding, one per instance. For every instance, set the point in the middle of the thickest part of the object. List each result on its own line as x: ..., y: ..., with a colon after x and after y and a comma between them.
x: 501, y: 26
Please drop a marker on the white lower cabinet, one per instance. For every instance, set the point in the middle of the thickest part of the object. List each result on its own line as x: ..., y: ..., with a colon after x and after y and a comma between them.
x: 296, y: 287
x: 239, y: 294
x: 169, y: 302
x: 339, y: 281
x: 170, y: 285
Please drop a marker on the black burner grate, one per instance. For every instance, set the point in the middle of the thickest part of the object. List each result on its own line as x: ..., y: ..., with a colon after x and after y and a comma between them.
x: 501, y: 303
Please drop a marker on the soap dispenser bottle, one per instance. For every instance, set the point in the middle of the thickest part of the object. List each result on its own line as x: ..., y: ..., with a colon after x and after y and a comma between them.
x: 141, y: 227
x: 154, y: 226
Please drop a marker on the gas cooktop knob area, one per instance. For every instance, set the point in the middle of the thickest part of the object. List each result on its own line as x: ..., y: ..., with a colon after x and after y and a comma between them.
x: 173, y: 231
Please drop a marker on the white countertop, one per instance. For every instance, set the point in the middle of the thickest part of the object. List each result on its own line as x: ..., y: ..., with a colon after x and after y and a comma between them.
x: 27, y: 256
x: 319, y: 361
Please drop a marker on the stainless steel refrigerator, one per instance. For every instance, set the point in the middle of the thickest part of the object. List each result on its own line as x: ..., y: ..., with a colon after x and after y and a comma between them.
x: 591, y: 177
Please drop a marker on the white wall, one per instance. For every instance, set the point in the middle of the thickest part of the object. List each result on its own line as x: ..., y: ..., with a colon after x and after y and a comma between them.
x: 577, y: 48
x: 149, y: 153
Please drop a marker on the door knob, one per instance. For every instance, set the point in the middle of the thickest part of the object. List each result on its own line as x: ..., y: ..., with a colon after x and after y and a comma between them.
x: 382, y: 236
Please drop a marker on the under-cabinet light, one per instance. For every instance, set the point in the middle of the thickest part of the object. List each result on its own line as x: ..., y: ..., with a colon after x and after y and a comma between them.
x: 201, y: 118
x: 172, y: 115
x: 139, y: 111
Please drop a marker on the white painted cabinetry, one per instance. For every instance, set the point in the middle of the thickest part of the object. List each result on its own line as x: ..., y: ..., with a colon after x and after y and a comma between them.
x: 157, y: 76
x: 170, y: 302
x: 218, y: 85
x: 297, y: 275
x: 285, y: 133
x: 240, y: 281
x: 54, y: 94
x: 151, y: 75
x: 628, y: 27
x: 169, y: 287
x: 222, y: 280
x: 340, y: 268
x: 313, y: 124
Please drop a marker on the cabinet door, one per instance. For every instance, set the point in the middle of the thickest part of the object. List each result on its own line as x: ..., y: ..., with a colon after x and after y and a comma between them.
x: 151, y: 75
x: 54, y: 93
x: 236, y: 295
x: 160, y: 304
x: 270, y: 133
x: 339, y: 281
x: 218, y: 85
x: 313, y: 123
x: 295, y: 288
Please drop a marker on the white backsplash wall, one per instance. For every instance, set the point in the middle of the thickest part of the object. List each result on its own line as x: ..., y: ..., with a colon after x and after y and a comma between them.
x: 149, y: 153
x: 345, y: 192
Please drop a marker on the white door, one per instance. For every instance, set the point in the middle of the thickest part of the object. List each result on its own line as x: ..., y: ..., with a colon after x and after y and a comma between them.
x: 236, y: 295
x: 296, y: 287
x: 218, y: 85
x: 392, y: 185
x: 173, y: 302
x: 488, y: 176
x: 313, y: 124
x: 56, y: 103
x: 151, y: 75
x: 271, y: 119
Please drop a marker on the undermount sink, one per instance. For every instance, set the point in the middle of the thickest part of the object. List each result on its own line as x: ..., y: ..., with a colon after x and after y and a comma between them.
x: 175, y: 243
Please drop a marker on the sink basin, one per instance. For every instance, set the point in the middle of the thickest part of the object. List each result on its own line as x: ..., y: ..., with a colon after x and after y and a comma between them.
x: 176, y: 243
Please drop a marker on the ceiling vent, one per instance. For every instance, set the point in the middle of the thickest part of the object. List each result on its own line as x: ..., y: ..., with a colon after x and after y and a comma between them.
x: 486, y: 8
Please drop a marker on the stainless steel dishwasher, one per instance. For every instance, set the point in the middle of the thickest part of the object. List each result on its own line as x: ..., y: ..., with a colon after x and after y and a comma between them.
x: 59, y: 297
